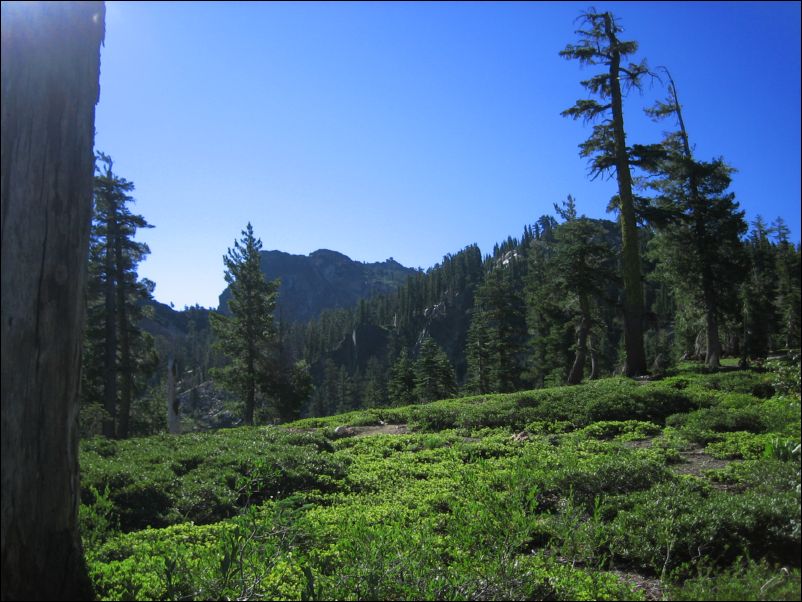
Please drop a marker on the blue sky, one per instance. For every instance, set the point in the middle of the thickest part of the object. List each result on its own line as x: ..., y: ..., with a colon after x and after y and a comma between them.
x: 410, y: 130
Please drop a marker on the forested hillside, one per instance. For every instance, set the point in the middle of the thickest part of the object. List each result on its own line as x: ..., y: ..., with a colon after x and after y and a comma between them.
x: 323, y: 280
x: 679, y: 275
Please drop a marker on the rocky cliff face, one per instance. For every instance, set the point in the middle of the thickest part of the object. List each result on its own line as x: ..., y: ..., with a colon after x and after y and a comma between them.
x: 324, y: 280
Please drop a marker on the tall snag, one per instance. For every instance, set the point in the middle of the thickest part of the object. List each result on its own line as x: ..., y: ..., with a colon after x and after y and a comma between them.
x: 50, y: 72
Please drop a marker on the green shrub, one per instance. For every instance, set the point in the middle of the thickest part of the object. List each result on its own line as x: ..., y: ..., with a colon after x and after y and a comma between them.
x: 672, y: 524
x: 705, y: 425
x: 163, y: 480
x: 244, y: 558
x: 745, y: 580
x: 628, y: 430
x: 787, y: 375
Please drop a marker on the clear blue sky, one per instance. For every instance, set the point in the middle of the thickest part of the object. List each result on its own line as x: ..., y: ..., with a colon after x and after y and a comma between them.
x: 411, y: 130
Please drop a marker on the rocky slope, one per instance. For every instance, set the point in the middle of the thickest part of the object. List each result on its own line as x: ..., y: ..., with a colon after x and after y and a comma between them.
x: 324, y: 280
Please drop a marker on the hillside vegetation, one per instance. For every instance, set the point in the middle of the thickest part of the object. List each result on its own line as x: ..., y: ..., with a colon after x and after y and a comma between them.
x: 682, y: 488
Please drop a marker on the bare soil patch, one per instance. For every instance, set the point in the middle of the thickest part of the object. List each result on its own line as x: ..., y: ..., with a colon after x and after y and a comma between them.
x: 650, y: 586
x: 695, y: 461
x: 364, y: 431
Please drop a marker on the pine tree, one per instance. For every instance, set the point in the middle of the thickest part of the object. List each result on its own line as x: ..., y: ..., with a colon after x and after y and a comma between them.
x: 759, y: 292
x: 478, y: 353
x: 581, y: 270
x: 401, y: 386
x: 324, y: 399
x: 599, y: 45
x: 789, y: 276
x: 290, y: 387
x: 699, y: 249
x: 500, y: 313
x: 247, y: 335
x: 545, y: 319
x: 118, y: 353
x: 434, y: 376
x: 374, y: 384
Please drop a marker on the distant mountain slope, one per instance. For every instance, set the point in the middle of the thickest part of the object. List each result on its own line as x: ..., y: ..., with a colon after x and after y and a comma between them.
x: 324, y: 280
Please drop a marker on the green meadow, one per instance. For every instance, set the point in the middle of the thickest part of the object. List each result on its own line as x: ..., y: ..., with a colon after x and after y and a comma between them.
x: 684, y: 488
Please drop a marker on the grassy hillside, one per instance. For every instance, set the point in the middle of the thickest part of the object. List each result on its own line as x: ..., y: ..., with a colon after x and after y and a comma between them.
x: 683, y: 488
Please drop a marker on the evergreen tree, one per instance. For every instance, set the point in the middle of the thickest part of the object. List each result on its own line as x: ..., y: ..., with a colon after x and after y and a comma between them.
x: 324, y: 399
x: 545, y: 319
x: 479, y: 354
x: 582, y: 266
x: 759, y: 292
x: 500, y: 318
x: 374, y: 384
x: 789, y: 276
x: 118, y: 353
x: 570, y: 283
x: 401, y: 386
x: 434, y: 376
x: 247, y: 335
x: 599, y: 45
x: 699, y: 250
x: 289, y: 388
x: 345, y: 391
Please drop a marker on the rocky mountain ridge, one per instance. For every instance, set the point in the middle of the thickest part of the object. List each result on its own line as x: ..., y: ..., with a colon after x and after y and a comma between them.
x: 322, y: 280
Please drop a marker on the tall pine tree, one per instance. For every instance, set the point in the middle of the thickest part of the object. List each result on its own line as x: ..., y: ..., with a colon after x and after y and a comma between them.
x: 434, y: 376
x: 759, y: 292
x: 117, y: 351
x: 247, y: 335
x: 789, y: 283
x: 699, y: 249
x: 599, y: 45
x: 582, y: 267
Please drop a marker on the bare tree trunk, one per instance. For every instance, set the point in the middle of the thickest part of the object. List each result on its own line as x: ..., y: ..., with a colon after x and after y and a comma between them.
x: 250, y: 393
x: 713, y: 357
x: 50, y: 69
x: 594, y: 362
x: 173, y: 418
x: 577, y: 370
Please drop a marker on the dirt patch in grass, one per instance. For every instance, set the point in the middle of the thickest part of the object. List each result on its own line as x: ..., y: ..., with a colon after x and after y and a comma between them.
x: 364, y: 431
x: 695, y: 461
x: 650, y: 586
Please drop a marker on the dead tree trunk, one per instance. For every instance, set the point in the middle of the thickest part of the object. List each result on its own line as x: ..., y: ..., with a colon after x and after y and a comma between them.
x: 585, y: 324
x: 594, y: 362
x: 50, y: 68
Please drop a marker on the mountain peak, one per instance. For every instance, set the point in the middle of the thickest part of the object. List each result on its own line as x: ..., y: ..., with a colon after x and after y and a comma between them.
x: 324, y: 279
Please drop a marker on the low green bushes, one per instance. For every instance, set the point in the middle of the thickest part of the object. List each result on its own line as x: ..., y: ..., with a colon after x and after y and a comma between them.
x: 204, y: 477
x: 536, y: 495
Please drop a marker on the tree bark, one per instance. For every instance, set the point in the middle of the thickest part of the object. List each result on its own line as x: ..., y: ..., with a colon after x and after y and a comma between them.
x: 594, y: 362
x: 577, y: 370
x: 50, y: 69
x: 630, y: 251
x: 713, y: 357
